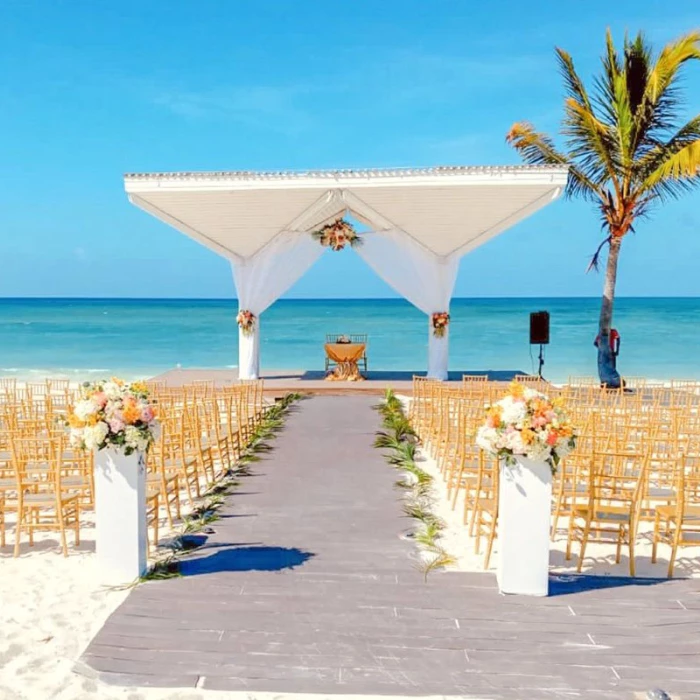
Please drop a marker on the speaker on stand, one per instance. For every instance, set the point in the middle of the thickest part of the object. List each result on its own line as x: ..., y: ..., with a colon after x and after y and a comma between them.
x: 539, y: 334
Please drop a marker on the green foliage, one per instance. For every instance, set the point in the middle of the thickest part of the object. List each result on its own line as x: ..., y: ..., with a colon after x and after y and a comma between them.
x: 162, y: 570
x: 400, y: 438
x: 439, y: 560
x: 625, y: 144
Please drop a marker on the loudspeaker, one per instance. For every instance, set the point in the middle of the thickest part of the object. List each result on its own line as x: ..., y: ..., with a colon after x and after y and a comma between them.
x: 539, y: 328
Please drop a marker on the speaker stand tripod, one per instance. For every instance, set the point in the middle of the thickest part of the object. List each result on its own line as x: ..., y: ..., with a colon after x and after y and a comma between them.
x: 541, y: 361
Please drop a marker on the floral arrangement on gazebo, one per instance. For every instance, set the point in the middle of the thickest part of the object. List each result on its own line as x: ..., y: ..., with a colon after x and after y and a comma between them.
x: 113, y: 414
x: 526, y: 423
x: 246, y: 321
x: 441, y: 319
x: 337, y: 235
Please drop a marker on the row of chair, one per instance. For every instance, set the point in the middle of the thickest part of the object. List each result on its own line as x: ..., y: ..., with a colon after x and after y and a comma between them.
x: 47, y: 485
x: 637, y: 461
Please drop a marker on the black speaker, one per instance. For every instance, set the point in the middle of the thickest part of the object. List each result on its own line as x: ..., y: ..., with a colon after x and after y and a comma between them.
x: 539, y: 328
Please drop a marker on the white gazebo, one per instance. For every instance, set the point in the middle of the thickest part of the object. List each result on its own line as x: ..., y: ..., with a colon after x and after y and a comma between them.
x: 421, y: 222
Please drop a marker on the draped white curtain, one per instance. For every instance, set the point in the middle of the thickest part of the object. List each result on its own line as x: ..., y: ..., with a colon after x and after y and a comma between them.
x: 425, y: 279
x: 262, y: 279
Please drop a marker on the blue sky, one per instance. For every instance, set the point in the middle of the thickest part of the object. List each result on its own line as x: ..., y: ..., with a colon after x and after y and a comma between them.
x: 92, y: 90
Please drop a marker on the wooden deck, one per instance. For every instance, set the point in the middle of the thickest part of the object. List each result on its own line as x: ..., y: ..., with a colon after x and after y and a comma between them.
x: 306, y: 585
x: 278, y: 382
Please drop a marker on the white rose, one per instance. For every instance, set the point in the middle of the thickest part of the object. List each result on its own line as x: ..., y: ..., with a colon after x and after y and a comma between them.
x: 112, y: 390
x: 486, y: 438
x: 95, y: 435
x: 514, y: 412
x: 84, y: 409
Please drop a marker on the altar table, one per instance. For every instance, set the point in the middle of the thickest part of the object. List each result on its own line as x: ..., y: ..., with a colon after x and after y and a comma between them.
x: 346, y: 356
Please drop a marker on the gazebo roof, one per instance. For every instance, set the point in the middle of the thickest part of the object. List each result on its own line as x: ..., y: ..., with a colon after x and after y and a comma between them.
x: 446, y: 209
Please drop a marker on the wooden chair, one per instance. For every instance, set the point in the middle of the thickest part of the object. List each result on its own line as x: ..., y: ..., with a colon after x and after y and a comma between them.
x: 42, y: 501
x: 678, y: 523
x: 163, y: 477
x: 614, y: 484
x: 486, y: 509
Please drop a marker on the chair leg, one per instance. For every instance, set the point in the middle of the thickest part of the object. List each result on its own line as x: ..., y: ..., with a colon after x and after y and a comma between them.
x: 584, y: 542
x: 674, y: 550
x: 77, y: 525
x: 62, y: 526
x: 18, y: 527
x: 489, y: 545
x: 655, y: 538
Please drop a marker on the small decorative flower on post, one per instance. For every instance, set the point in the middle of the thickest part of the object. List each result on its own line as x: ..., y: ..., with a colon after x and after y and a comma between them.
x: 441, y: 319
x: 337, y: 235
x: 246, y: 321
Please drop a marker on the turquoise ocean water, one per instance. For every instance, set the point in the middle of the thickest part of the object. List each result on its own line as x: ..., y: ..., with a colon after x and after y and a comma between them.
x: 81, y: 338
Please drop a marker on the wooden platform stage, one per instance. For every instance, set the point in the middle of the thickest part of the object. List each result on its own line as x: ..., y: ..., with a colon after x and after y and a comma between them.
x: 279, y: 382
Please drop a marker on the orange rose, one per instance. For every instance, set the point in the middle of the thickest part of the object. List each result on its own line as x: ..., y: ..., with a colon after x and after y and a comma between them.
x: 130, y: 413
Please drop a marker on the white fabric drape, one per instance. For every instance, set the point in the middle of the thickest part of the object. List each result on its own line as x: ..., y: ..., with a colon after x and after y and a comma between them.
x: 262, y: 279
x: 425, y: 279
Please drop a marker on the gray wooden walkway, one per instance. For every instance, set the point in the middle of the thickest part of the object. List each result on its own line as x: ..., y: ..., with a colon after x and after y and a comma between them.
x: 307, y: 586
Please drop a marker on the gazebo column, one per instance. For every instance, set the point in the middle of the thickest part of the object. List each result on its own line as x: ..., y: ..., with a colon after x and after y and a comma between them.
x: 249, y: 353
x: 438, y: 353
x: 263, y: 278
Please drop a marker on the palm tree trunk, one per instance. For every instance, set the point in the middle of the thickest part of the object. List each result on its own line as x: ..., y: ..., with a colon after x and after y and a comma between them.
x: 607, y: 370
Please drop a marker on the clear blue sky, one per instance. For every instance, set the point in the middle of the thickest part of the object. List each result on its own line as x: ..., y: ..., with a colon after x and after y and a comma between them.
x: 91, y: 90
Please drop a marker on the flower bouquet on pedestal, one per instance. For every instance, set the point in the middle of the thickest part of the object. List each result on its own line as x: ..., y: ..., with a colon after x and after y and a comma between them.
x: 530, y: 435
x: 118, y: 423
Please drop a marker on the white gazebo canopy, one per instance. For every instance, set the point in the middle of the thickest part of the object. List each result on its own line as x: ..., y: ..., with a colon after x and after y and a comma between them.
x: 421, y: 221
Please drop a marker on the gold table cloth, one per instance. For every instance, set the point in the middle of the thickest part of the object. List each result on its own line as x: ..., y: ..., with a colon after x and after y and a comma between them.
x: 346, y: 356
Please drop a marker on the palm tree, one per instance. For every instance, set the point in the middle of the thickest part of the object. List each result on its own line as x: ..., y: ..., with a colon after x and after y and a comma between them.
x: 625, y: 148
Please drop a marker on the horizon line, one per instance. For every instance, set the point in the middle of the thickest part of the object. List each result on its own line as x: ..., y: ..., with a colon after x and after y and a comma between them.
x: 286, y: 299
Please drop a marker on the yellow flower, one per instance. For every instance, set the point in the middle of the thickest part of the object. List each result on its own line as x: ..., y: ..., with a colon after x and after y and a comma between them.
x: 74, y: 421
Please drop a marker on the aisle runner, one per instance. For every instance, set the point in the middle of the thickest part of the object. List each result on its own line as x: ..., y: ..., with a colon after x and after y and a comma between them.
x: 307, y: 586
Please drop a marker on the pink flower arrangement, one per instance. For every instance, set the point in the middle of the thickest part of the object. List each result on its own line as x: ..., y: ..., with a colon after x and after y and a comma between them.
x: 337, y: 235
x: 113, y: 414
x: 246, y: 321
x: 440, y: 320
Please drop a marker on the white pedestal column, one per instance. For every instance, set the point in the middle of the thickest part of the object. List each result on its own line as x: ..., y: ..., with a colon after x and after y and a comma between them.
x: 120, y: 515
x: 524, y: 514
x: 249, y: 353
x: 438, y: 352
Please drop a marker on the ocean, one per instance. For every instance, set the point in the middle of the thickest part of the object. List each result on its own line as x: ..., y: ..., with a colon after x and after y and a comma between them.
x: 84, y: 338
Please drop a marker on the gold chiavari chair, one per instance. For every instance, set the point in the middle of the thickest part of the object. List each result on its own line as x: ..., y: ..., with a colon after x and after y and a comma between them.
x: 474, y: 378
x: 162, y: 476
x: 614, y: 484
x: 677, y: 523
x: 486, y: 509
x: 42, y: 501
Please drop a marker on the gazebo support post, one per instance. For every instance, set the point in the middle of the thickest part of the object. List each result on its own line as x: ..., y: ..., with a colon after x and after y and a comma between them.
x: 438, y: 352
x: 249, y: 353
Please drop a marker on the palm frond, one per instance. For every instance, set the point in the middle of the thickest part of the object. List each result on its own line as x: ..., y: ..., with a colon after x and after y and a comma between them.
x: 666, y: 69
x: 539, y: 149
x: 679, y: 170
x: 594, y: 264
